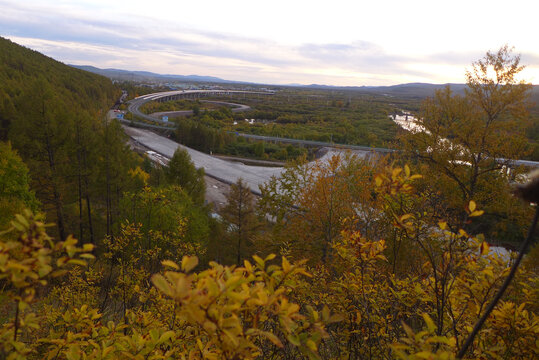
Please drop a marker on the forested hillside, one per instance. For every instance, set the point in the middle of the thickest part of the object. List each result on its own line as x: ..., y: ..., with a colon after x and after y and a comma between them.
x: 54, y: 116
x: 24, y: 73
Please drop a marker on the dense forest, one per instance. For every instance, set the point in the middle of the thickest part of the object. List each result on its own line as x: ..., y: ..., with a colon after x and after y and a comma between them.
x: 106, y: 255
x: 211, y: 132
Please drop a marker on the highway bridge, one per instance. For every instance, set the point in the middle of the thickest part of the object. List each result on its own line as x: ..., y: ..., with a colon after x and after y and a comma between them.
x: 313, y: 143
x: 137, y: 102
x: 177, y: 113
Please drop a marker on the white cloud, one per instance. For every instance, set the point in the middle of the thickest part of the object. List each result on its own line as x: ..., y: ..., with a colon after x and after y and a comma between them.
x: 342, y: 42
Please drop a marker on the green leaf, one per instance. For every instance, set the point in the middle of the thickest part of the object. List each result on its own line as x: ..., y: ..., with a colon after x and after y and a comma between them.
x: 428, y: 321
x: 189, y: 263
x: 44, y: 270
x: 274, y: 339
x: 171, y: 264
x: 162, y: 284
x: 424, y: 355
x: 77, y: 262
x: 57, y: 273
x: 484, y: 248
x: 22, y: 220
x: 87, y: 247
x: 477, y: 213
x: 73, y: 353
x: 286, y: 265
x: 167, y: 335
x: 259, y: 261
x: 270, y: 257
x: 472, y: 206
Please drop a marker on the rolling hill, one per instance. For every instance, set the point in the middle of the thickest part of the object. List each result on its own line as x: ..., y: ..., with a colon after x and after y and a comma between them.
x: 22, y: 69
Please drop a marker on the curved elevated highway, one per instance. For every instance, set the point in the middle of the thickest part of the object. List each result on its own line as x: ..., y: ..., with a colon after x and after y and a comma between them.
x: 176, y: 113
x: 137, y: 102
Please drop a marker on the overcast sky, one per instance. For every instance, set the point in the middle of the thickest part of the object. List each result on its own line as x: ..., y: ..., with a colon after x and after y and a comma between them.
x: 335, y: 42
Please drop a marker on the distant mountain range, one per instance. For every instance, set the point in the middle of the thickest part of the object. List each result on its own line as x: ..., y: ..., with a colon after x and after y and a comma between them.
x: 150, y: 76
x: 410, y: 90
x: 420, y: 90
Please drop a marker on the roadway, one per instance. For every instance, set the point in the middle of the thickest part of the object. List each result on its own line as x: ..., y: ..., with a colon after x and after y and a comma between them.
x: 225, y: 171
x: 312, y: 143
x: 177, y: 113
x: 134, y: 104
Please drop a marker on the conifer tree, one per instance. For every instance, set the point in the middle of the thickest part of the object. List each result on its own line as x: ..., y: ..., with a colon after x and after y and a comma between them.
x: 15, y: 193
x: 42, y: 137
x: 181, y: 171
x: 240, y: 214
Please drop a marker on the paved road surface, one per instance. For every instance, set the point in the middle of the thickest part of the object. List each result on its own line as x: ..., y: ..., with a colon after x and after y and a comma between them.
x: 222, y: 170
x: 313, y: 143
x: 226, y: 171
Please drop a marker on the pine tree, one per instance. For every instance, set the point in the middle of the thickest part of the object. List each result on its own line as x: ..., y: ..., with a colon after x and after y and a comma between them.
x: 42, y: 137
x: 181, y: 171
